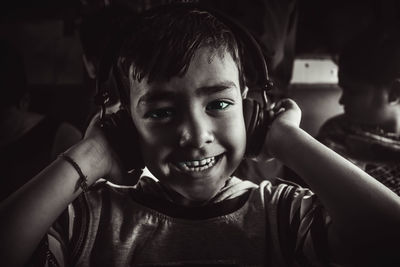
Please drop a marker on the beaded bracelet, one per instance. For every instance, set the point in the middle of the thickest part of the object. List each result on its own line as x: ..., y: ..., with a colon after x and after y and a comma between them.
x: 82, y: 182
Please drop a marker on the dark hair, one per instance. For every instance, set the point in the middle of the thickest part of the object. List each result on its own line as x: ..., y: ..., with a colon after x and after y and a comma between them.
x: 372, y: 57
x: 12, y: 75
x: 163, y: 43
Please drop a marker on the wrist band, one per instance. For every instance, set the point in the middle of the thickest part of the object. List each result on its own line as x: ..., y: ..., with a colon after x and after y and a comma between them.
x: 82, y: 182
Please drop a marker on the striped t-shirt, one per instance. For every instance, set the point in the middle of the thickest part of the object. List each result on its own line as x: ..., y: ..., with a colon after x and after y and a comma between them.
x: 245, y: 225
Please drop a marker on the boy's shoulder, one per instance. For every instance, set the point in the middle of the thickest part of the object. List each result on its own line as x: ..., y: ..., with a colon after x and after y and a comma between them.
x: 273, y: 197
x: 149, y: 185
x: 281, y: 193
x: 107, y: 190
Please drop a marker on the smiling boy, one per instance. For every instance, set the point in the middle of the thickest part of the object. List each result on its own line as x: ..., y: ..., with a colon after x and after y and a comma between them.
x: 192, y: 128
x: 186, y: 86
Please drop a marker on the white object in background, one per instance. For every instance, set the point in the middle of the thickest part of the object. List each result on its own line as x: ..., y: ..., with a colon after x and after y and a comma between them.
x: 314, y: 71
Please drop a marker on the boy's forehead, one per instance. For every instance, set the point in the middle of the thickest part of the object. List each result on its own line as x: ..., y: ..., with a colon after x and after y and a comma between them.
x: 208, y: 68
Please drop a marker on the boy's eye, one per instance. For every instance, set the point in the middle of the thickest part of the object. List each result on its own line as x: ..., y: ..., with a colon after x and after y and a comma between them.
x: 159, y: 114
x: 218, y: 105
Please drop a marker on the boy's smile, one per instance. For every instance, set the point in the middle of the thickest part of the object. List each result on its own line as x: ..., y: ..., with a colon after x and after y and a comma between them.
x: 197, y: 165
x: 191, y: 127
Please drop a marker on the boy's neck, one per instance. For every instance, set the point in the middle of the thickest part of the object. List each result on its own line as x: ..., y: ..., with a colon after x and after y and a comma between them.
x: 177, y: 198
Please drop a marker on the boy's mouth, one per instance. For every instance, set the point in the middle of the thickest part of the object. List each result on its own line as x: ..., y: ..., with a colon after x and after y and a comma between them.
x: 198, y: 165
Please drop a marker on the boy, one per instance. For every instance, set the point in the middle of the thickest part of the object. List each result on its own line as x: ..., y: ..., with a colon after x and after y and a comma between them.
x: 368, y: 133
x: 185, y: 100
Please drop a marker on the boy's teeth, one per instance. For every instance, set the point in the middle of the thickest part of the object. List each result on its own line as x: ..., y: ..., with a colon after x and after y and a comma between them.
x: 198, y: 165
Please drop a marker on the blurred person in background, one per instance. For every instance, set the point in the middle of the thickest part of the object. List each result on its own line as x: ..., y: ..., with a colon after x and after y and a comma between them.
x: 368, y: 133
x: 29, y: 141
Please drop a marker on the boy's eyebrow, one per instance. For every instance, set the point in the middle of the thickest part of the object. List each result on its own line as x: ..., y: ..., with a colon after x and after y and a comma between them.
x: 204, y: 90
x: 222, y: 86
x: 155, y: 96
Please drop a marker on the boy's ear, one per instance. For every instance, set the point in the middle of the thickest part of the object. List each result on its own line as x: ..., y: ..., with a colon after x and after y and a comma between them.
x: 245, y: 91
x: 394, y: 92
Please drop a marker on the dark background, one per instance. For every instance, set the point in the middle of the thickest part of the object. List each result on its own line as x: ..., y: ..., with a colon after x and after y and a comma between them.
x: 45, y: 31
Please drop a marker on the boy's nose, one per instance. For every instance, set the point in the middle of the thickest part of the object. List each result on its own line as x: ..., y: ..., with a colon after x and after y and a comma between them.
x: 195, y: 132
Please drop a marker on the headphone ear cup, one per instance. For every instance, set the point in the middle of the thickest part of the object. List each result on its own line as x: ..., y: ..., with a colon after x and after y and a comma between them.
x: 124, y: 139
x: 251, y: 110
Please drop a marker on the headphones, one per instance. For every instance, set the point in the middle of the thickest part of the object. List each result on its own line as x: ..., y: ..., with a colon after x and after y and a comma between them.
x: 119, y: 126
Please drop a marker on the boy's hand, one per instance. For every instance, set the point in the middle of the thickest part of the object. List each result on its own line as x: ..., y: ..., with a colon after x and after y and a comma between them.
x: 105, y: 155
x: 286, y: 113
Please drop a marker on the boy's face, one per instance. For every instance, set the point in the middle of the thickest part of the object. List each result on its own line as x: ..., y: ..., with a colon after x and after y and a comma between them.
x: 192, y: 127
x: 364, y: 103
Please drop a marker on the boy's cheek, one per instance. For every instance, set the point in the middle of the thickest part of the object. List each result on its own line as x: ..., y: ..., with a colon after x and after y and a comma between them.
x: 235, y: 132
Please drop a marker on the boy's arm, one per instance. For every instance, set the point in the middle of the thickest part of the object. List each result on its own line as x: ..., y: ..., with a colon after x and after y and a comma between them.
x: 29, y: 212
x: 365, y: 214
